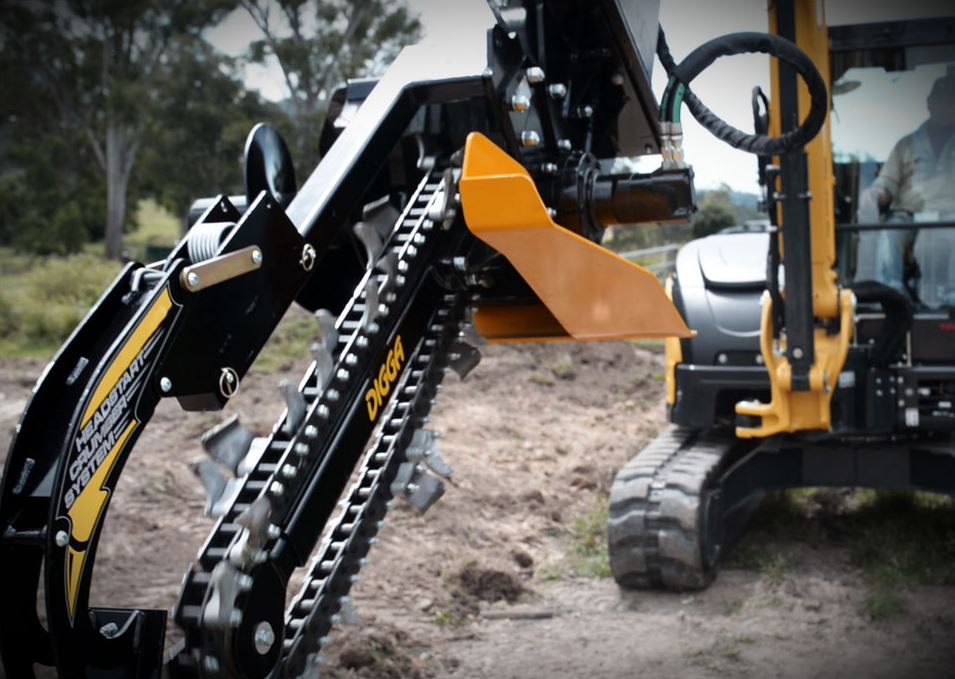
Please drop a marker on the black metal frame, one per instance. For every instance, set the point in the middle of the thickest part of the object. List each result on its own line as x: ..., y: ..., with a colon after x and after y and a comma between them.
x: 225, y: 326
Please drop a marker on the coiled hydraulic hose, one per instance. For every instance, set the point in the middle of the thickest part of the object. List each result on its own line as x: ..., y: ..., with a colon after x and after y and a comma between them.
x: 677, y: 90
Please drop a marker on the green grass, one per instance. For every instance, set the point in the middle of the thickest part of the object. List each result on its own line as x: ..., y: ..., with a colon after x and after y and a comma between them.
x: 156, y: 226
x: 900, y: 540
x: 563, y: 367
x: 587, y: 551
x: 896, y: 540
x: 42, y: 299
x: 289, y: 343
x: 654, y: 345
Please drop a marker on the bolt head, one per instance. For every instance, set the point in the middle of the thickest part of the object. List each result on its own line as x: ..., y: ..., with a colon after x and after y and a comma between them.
x: 165, y: 384
x: 549, y: 168
x: 535, y: 74
x: 257, y: 256
x: 192, y: 278
x: 62, y: 538
x: 565, y: 144
x: 530, y: 138
x: 311, y: 431
x: 520, y: 103
x: 557, y: 90
x: 264, y: 637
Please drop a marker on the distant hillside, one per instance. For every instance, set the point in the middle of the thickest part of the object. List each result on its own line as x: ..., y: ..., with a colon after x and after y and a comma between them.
x: 741, y: 199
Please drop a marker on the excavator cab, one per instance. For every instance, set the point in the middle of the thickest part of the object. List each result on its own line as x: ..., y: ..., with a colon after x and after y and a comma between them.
x: 908, y: 243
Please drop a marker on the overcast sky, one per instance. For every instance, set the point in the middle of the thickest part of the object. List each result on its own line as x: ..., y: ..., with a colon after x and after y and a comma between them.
x: 725, y: 87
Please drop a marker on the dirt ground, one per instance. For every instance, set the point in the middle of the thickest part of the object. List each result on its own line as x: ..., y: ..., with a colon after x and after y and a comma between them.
x: 504, y: 576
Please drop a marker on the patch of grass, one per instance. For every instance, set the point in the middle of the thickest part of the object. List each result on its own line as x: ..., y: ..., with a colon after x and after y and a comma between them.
x: 289, y: 343
x: 587, y: 553
x: 897, y: 540
x: 156, y: 226
x: 900, y: 540
x: 773, y: 567
x: 549, y: 572
x: 42, y: 299
x: 563, y: 368
x: 723, y: 656
x: 541, y: 378
x: 653, y: 345
x: 731, y: 607
x: 884, y: 597
x: 445, y: 618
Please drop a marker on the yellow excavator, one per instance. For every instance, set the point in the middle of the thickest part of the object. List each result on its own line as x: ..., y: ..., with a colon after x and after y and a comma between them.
x: 824, y: 352
x: 468, y: 186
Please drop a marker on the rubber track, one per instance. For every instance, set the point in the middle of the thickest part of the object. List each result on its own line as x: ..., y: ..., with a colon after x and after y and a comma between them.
x: 655, y: 525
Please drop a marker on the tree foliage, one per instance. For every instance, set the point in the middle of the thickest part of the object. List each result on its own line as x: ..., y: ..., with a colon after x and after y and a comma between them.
x: 110, y: 101
x: 718, y: 209
x: 319, y: 44
x: 194, y: 143
x: 90, y: 70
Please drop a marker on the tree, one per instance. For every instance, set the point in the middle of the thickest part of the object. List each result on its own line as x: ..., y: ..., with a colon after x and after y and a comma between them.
x: 193, y: 145
x: 52, y: 198
x: 319, y: 44
x: 92, y: 66
x: 716, y: 211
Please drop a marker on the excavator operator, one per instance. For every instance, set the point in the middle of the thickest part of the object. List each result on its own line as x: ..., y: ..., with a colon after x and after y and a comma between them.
x: 916, y: 183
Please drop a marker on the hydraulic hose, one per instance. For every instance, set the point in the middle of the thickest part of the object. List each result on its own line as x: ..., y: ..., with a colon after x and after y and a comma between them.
x: 677, y: 90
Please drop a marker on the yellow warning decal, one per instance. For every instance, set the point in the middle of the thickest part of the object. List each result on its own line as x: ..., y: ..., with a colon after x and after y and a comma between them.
x: 106, y: 426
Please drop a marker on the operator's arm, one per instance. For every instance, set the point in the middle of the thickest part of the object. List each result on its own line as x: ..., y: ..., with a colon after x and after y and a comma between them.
x: 890, y: 179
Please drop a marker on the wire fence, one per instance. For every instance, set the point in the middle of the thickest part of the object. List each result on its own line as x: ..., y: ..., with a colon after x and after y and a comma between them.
x: 659, y: 259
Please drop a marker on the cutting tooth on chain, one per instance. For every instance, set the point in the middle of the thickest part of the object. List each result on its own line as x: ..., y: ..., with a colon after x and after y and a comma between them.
x: 417, y: 486
x: 219, y: 611
x: 367, y: 322
x: 295, y: 407
x: 228, y: 443
x: 424, y: 448
x: 323, y: 347
x: 220, y: 491
x: 463, y: 358
x: 370, y: 239
x: 388, y: 265
x: 255, y: 522
x: 348, y: 612
x: 425, y: 491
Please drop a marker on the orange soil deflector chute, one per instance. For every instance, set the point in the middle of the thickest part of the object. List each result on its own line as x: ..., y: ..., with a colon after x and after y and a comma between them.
x: 593, y: 293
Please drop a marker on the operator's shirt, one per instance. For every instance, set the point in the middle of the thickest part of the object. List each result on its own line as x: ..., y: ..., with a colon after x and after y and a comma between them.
x: 917, y: 179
